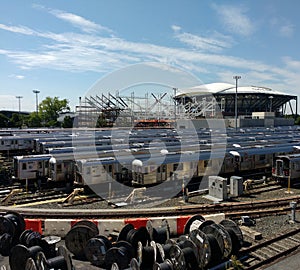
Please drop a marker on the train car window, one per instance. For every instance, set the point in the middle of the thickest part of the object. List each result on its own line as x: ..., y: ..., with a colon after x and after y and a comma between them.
x: 109, y: 168
x: 175, y: 166
x: 286, y: 165
x: 24, y: 166
x: 262, y: 157
x: 40, y: 165
x: 158, y: 169
x: 30, y: 165
x: 164, y: 168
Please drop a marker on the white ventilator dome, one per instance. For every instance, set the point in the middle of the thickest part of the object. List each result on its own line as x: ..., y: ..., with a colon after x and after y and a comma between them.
x: 164, y: 151
x: 137, y: 162
x: 235, y: 153
x: 52, y: 160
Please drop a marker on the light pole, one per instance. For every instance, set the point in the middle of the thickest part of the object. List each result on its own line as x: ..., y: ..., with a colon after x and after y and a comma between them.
x: 271, y: 99
x: 19, y: 97
x: 36, y: 100
x: 175, y: 93
x: 235, y: 103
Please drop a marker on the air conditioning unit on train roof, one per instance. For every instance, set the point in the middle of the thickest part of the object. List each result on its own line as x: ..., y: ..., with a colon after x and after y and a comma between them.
x: 137, y: 162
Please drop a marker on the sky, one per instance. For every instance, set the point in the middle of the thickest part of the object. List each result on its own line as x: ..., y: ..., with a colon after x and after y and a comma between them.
x: 62, y: 48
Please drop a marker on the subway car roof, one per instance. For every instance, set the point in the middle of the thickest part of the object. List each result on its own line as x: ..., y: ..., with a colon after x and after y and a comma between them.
x: 292, y: 157
x: 32, y: 157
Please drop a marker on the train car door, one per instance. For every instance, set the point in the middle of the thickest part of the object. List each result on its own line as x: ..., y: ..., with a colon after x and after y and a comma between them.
x: 279, y: 167
x: 108, y: 172
x: 41, y: 168
x: 236, y: 160
x: 161, y: 173
x: 16, y: 167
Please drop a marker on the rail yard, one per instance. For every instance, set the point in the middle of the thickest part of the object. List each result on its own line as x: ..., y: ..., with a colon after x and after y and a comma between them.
x: 65, y: 184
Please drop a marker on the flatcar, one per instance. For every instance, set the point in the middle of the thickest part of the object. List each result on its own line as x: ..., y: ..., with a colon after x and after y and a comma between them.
x: 286, y: 168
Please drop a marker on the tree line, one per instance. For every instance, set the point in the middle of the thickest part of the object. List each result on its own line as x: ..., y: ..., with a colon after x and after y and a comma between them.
x: 47, y: 116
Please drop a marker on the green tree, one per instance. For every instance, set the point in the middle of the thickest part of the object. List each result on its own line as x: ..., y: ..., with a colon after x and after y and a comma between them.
x: 16, y: 120
x: 3, y: 121
x: 297, y: 122
x: 50, y: 108
x: 68, y: 122
x: 34, y: 120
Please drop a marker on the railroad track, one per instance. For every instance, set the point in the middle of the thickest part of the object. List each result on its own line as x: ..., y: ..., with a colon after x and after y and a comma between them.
x: 21, y: 197
x: 270, y: 250
x: 17, y: 196
x: 232, y: 210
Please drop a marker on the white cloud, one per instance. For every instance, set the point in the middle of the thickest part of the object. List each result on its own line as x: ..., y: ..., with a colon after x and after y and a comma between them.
x: 283, y: 26
x: 291, y: 64
x: 235, y: 19
x: 286, y: 30
x: 216, y: 43
x: 17, y: 29
x: 19, y: 77
x: 176, y: 28
x: 78, y: 21
x: 74, y: 52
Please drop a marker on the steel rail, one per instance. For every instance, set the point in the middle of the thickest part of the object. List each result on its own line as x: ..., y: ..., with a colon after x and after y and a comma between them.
x: 269, y: 250
x: 230, y: 209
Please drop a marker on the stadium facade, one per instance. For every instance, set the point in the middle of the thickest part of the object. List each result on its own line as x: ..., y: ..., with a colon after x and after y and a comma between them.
x: 238, y: 105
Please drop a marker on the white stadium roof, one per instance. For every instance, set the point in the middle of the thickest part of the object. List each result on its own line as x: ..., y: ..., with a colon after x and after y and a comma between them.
x: 226, y: 88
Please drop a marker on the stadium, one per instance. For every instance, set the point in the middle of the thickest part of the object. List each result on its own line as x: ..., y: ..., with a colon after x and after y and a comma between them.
x: 238, y: 105
x: 249, y: 99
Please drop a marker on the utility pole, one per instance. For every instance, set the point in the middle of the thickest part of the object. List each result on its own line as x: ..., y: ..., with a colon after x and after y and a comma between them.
x: 19, y: 98
x: 36, y: 99
x: 175, y: 116
x: 235, y: 103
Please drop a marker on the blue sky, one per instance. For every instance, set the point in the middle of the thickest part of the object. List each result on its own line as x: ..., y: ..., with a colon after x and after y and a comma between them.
x: 63, y: 47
